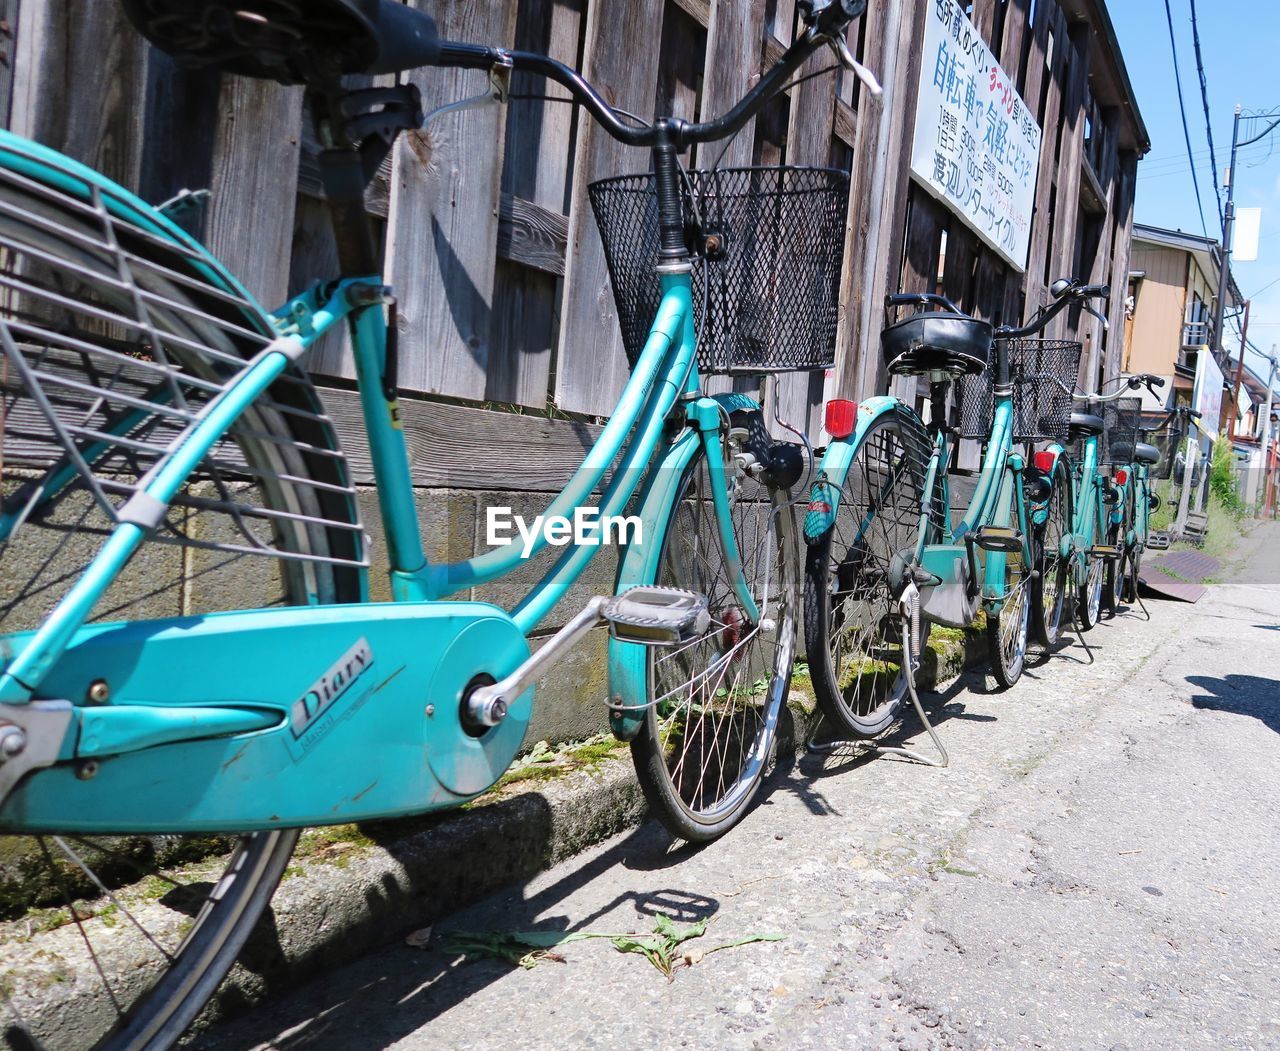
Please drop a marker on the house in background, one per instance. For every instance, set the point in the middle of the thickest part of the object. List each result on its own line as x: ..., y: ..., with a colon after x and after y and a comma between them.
x: 1173, y: 284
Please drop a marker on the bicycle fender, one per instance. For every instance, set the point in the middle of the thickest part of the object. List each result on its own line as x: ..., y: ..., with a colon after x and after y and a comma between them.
x: 628, y: 661
x: 272, y: 718
x: 824, y: 496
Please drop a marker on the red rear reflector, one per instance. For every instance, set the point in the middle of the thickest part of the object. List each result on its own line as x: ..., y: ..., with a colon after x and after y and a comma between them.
x: 1044, y: 461
x: 842, y: 416
x: 1122, y: 476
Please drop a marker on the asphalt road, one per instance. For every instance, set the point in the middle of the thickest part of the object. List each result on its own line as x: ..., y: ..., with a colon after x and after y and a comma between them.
x: 1096, y: 869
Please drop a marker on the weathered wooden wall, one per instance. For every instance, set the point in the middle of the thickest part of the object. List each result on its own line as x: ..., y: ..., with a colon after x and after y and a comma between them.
x: 505, y: 306
x: 1084, y: 194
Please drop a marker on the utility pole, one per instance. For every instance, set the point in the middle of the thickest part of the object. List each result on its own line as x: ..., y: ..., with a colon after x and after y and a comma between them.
x: 1228, y: 221
x: 1235, y: 397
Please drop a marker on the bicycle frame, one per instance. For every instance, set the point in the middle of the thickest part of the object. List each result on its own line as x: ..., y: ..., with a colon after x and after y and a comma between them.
x: 299, y: 722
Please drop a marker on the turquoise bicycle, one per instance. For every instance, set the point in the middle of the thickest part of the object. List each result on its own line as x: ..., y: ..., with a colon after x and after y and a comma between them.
x: 885, y: 559
x: 159, y: 428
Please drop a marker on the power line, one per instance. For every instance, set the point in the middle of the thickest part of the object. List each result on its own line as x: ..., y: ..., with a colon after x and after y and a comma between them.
x: 1182, y: 110
x: 1208, y: 121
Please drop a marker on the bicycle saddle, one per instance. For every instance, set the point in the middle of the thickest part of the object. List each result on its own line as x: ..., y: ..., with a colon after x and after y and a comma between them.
x: 937, y: 341
x: 1085, y: 423
x: 1144, y: 453
x: 290, y: 41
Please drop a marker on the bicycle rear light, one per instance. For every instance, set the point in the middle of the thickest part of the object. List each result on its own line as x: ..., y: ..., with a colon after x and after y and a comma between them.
x: 1044, y: 461
x: 841, y: 418
x: 1122, y: 477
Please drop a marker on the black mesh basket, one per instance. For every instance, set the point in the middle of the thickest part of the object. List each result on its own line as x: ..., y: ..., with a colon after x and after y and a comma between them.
x: 1044, y: 373
x: 1121, y: 419
x: 770, y: 303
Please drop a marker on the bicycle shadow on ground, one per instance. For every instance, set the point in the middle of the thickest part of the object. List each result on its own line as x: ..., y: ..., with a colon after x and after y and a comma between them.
x: 1240, y: 695
x: 418, y: 985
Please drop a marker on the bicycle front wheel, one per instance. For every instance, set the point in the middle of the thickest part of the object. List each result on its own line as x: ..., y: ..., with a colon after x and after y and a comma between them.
x: 714, y: 703
x: 120, y: 941
x: 853, y: 631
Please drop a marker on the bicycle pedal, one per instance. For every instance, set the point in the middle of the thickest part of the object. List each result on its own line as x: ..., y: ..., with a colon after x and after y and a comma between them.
x: 1158, y: 541
x: 1104, y: 551
x: 653, y: 616
x: 998, y: 538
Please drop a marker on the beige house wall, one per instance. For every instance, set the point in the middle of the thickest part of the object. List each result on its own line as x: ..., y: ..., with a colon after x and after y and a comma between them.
x: 1159, y: 311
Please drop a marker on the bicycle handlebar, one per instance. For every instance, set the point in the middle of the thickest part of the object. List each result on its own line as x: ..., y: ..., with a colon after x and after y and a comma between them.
x: 825, y: 19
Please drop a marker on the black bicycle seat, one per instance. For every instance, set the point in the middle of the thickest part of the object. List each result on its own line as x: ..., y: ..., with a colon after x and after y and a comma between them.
x: 1144, y: 453
x: 937, y: 341
x: 1085, y: 423
x: 290, y: 41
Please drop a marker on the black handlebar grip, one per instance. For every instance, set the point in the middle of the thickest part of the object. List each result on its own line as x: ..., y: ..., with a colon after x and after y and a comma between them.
x: 1094, y: 292
x: 465, y: 56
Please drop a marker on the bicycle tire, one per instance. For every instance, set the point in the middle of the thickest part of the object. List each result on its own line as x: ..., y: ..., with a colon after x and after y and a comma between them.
x: 153, y: 1004
x: 851, y: 621
x: 1050, y: 588
x: 1009, y: 629
x: 1089, y: 594
x: 701, y: 754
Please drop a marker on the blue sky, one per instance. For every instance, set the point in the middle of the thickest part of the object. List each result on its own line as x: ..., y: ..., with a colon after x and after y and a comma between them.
x: 1240, y: 41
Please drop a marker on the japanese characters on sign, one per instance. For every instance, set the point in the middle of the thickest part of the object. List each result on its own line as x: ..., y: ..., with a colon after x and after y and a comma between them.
x: 977, y: 147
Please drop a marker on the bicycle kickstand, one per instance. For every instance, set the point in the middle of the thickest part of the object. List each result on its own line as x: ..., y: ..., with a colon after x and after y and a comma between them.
x: 909, y: 606
x: 1075, y: 620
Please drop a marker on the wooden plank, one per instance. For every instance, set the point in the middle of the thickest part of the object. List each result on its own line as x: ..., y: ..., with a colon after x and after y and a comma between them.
x: 444, y: 216
x: 1044, y: 220
x: 683, y: 49
x: 525, y: 309
x: 845, y: 127
x: 869, y: 126
x: 959, y: 268
x: 733, y: 63
x: 621, y: 61
x: 460, y: 447
x: 1063, y: 252
x: 79, y: 84
x: 925, y: 224
x: 894, y: 136
x: 531, y: 235
x: 538, y: 161
x: 1122, y: 215
x: 1014, y: 41
x: 9, y: 11
x: 983, y: 17
x: 701, y: 11
x: 253, y: 177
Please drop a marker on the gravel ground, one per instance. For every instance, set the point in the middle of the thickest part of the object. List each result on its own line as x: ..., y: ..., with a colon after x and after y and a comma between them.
x: 1094, y: 870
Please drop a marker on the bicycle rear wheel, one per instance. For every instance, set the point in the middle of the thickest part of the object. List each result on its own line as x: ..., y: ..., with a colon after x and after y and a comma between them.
x: 713, y: 704
x: 1050, y: 588
x: 853, y: 635
x: 110, y: 940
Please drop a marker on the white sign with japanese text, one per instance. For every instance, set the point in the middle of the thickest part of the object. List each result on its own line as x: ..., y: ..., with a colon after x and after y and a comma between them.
x: 977, y: 147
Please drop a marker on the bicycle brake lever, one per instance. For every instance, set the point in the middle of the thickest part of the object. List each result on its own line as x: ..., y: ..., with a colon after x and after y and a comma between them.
x: 1106, y: 325
x: 845, y: 56
x: 499, y: 91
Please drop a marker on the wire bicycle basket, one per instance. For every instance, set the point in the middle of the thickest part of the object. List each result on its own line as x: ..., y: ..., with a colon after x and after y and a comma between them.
x: 1119, y: 437
x: 766, y: 269
x: 1043, y: 373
